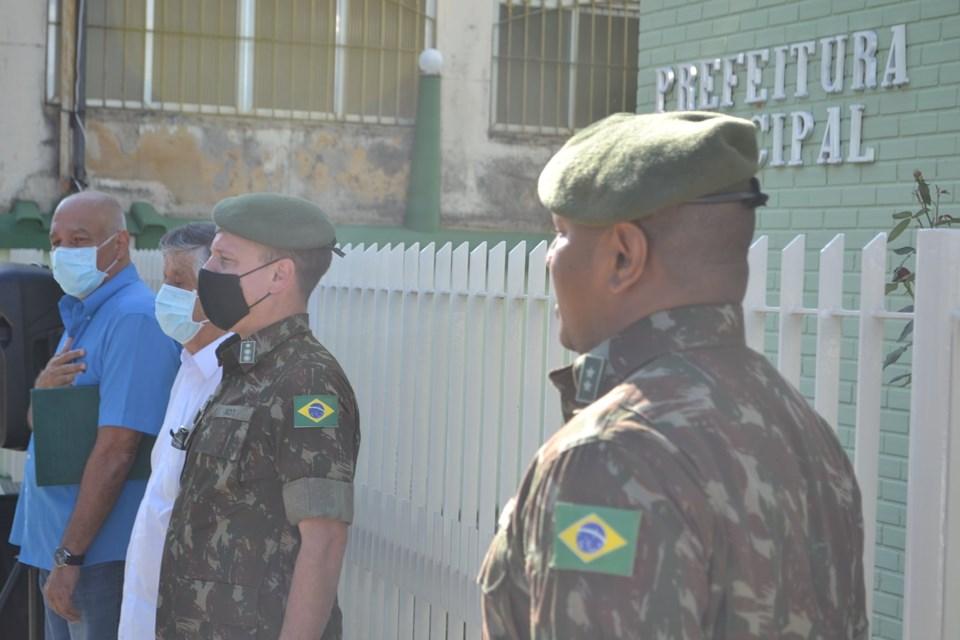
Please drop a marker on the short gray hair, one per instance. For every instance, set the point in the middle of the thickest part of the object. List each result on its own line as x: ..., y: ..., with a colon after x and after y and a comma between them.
x: 195, y: 238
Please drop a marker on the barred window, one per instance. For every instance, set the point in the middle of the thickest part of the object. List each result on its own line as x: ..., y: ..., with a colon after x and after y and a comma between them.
x: 353, y: 60
x: 561, y: 64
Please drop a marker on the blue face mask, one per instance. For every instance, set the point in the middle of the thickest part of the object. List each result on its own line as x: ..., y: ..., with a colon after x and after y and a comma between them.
x: 75, y: 269
x: 174, y: 310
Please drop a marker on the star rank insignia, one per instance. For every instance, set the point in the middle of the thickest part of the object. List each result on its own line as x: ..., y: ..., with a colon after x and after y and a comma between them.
x: 588, y: 384
x: 248, y: 352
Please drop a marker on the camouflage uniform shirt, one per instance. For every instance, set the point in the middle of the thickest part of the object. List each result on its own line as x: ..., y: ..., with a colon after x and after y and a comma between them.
x: 276, y: 443
x: 692, y: 494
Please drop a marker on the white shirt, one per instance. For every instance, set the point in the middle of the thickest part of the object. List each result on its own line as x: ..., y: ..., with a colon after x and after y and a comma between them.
x: 196, y: 381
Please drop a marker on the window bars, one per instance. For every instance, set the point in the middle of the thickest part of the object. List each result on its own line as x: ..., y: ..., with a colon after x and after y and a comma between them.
x: 347, y: 60
x: 561, y: 64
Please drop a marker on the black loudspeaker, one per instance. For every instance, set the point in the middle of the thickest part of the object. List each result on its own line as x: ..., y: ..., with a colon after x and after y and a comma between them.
x: 30, y: 328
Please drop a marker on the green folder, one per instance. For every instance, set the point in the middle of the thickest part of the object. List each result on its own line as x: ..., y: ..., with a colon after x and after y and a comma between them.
x: 65, y: 422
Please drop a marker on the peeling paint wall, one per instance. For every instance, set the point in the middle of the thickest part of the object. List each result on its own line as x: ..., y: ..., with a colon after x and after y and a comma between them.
x: 489, y: 182
x: 185, y: 163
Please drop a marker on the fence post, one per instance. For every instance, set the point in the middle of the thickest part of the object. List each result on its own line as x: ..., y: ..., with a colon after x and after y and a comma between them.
x: 866, y: 448
x: 754, y: 319
x: 932, y: 576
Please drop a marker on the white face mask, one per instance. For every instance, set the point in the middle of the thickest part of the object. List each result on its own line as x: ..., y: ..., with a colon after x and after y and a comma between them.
x: 75, y: 269
x: 174, y: 310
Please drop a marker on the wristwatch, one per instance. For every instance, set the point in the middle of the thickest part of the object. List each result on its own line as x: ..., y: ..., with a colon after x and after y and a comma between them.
x: 62, y: 558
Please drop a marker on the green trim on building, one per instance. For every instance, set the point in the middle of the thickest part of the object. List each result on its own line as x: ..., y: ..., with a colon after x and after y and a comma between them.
x: 148, y: 226
x: 25, y: 227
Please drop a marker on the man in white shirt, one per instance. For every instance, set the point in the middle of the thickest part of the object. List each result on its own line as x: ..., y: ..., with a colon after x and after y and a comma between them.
x: 181, y: 316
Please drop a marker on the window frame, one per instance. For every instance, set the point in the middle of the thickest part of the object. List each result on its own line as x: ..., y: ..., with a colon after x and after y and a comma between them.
x: 246, y: 68
x: 576, y: 9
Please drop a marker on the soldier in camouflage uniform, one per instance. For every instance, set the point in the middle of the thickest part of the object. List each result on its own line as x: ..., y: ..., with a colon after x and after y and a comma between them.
x: 258, y: 532
x: 692, y: 493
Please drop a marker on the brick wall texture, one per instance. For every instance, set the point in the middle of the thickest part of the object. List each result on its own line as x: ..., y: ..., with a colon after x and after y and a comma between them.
x: 911, y: 127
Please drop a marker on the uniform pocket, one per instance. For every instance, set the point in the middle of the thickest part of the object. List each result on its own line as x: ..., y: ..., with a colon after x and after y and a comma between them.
x: 222, y: 438
x: 209, y: 609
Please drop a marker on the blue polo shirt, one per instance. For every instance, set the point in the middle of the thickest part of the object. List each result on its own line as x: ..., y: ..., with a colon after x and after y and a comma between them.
x: 134, y: 363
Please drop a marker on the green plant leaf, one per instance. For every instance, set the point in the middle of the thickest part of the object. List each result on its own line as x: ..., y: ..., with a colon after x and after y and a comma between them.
x: 905, y: 251
x: 897, y: 230
x: 906, y: 309
x: 894, y: 355
x: 902, y: 380
x: 891, y: 287
x: 924, y: 190
x: 906, y: 333
x: 903, y: 214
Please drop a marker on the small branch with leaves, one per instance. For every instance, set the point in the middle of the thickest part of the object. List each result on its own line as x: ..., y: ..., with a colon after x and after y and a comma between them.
x: 927, y: 216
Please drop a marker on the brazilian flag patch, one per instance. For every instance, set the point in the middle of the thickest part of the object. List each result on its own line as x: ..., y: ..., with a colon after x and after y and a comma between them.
x: 597, y: 539
x: 316, y: 412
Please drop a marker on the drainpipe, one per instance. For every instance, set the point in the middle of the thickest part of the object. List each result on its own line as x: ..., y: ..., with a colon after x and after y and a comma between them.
x: 80, y: 101
x: 423, y: 194
x: 72, y: 90
x: 68, y: 67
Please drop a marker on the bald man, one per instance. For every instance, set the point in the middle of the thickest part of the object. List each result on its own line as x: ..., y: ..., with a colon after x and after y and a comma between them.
x: 77, y: 534
x: 693, y: 494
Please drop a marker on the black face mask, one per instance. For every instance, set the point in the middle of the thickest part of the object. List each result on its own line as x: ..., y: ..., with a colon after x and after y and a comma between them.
x: 222, y: 297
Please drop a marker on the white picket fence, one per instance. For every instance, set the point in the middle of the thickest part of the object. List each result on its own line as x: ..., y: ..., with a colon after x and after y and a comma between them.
x: 448, y: 350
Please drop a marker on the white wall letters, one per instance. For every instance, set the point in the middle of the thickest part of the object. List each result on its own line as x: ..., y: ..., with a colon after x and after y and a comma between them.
x: 686, y: 87
x: 832, y: 50
x: 695, y: 85
x: 730, y: 80
x: 707, y: 99
x: 665, y: 80
x: 864, y: 60
x: 756, y: 61
x: 895, y: 74
x: 802, y: 52
x: 830, y: 146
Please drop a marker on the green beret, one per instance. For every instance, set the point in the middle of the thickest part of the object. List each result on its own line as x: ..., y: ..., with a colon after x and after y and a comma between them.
x: 627, y: 166
x: 278, y: 221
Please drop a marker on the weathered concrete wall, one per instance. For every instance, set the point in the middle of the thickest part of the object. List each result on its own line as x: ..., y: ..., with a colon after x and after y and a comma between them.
x: 489, y: 182
x: 28, y: 144
x: 185, y: 163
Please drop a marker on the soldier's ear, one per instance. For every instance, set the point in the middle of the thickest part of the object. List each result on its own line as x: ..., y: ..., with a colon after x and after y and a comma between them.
x: 632, y: 249
x: 284, y: 276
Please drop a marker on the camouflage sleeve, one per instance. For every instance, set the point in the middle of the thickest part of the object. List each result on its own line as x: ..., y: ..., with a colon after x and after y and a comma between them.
x: 317, y: 444
x: 626, y: 539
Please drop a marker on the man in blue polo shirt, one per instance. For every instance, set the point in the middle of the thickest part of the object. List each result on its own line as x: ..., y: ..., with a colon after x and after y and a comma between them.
x: 77, y: 535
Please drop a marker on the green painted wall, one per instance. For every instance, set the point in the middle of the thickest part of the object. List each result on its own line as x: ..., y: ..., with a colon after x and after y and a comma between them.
x: 916, y: 126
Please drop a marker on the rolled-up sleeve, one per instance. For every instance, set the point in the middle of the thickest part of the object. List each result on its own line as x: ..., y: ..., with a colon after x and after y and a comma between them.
x: 318, y: 498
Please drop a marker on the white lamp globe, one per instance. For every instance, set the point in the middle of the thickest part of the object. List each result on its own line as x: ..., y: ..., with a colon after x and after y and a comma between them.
x: 431, y: 62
